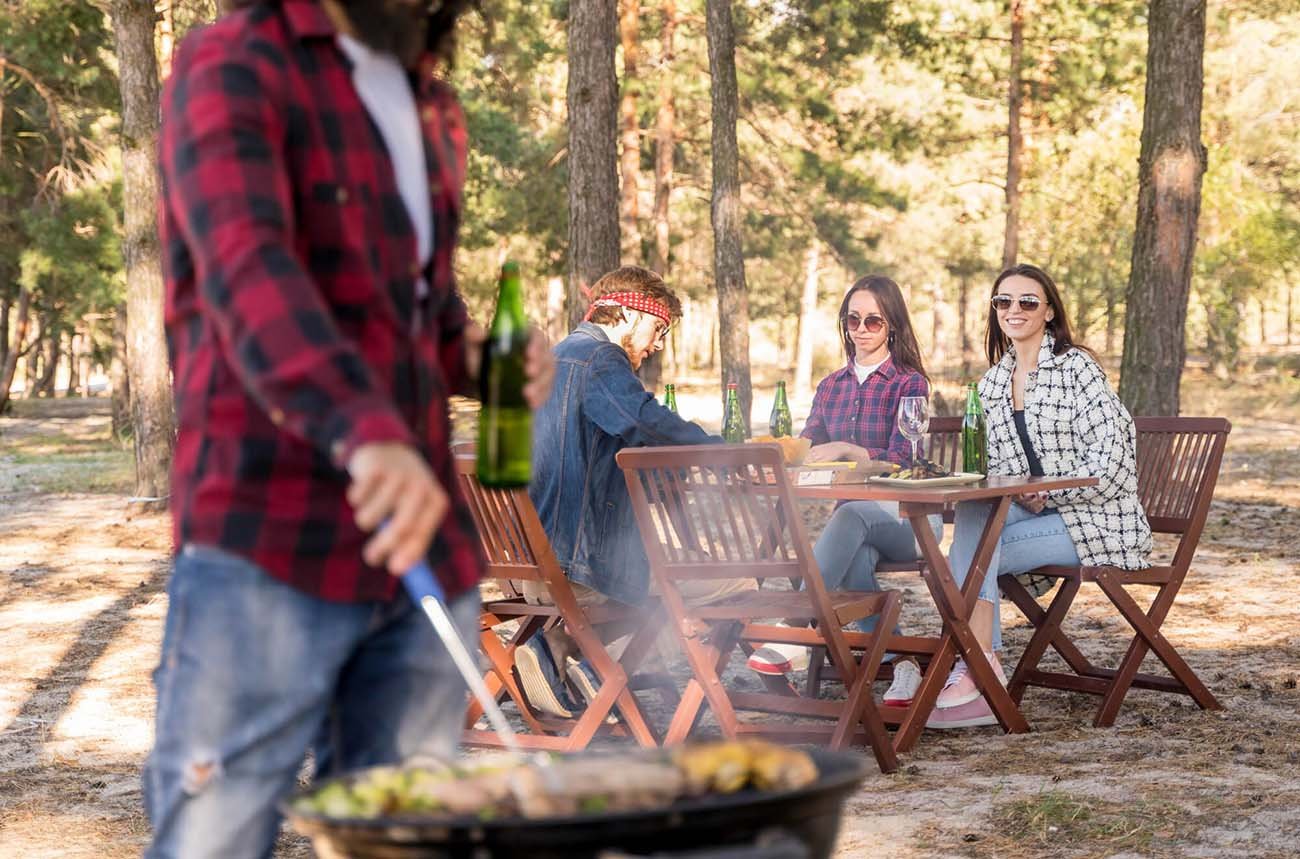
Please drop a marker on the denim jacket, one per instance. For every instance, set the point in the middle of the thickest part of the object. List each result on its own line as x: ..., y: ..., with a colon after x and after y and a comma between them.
x: 597, y: 407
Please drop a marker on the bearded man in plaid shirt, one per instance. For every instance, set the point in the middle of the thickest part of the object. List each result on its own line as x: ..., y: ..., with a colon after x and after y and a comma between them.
x: 312, y: 163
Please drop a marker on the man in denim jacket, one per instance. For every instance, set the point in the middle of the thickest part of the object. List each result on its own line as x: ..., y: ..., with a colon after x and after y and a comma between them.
x: 597, y: 407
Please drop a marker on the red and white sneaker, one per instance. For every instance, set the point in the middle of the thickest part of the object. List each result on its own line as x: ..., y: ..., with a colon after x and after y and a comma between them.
x: 907, y: 679
x: 778, y: 659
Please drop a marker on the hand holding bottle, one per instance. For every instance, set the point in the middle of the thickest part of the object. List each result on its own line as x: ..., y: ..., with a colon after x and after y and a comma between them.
x: 539, y: 363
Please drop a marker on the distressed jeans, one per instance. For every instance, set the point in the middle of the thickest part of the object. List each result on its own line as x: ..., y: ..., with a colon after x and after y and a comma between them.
x: 1028, y: 541
x: 859, y: 535
x: 254, y: 672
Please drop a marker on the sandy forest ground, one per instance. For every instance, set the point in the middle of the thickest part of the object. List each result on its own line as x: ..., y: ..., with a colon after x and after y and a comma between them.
x: 82, y: 599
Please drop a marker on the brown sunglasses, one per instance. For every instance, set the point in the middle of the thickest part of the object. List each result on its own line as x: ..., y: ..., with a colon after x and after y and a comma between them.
x: 872, y: 323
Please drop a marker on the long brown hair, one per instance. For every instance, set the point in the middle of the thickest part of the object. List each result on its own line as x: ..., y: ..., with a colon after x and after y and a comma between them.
x: 903, y: 348
x: 996, y: 343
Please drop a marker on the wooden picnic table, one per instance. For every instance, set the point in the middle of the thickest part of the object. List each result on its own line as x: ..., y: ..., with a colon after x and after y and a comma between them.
x: 955, y: 605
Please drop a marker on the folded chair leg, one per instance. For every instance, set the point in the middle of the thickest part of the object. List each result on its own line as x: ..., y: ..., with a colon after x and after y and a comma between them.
x: 501, y: 676
x: 1147, y: 626
x: 1047, y: 629
x: 816, y: 664
x: 860, y: 706
x: 1034, y: 613
x: 707, y: 659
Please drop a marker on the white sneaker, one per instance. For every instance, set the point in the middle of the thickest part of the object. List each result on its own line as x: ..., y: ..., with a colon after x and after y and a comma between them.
x: 907, y: 679
x: 779, y: 658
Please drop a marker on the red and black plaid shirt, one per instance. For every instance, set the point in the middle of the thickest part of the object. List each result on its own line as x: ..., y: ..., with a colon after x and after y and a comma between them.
x: 292, y: 317
x: 866, y: 413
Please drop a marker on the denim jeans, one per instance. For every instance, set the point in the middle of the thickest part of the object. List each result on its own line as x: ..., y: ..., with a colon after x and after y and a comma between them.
x: 1028, y: 541
x: 253, y: 672
x: 858, y: 536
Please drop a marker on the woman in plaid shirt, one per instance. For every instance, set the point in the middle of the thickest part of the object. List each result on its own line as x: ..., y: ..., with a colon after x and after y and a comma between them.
x: 855, y: 416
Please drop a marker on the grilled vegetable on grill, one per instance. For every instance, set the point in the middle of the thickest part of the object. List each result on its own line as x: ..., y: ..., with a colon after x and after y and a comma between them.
x: 569, y: 786
x: 726, y: 767
x: 594, y: 786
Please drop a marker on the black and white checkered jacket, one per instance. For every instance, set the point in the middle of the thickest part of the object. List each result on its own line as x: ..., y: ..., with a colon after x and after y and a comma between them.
x: 1078, y: 426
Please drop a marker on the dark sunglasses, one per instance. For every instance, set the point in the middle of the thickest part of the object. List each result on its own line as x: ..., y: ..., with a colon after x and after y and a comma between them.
x: 872, y: 323
x: 1028, y: 303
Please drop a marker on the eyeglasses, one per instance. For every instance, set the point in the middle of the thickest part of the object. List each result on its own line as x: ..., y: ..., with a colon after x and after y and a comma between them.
x: 661, y: 332
x: 872, y: 323
x: 1028, y: 303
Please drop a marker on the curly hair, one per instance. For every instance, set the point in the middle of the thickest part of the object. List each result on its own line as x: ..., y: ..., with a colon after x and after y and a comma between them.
x: 631, y: 278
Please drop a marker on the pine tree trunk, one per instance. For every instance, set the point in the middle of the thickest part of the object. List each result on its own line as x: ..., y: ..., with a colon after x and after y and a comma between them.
x: 938, y: 357
x: 4, y: 328
x: 963, y: 322
x: 9, y: 367
x: 1015, y: 142
x: 593, y: 148
x: 728, y: 257
x: 118, y: 378
x: 74, y: 364
x: 1290, y: 292
x: 807, y: 307
x: 630, y: 162
x: 1170, y: 168
x: 665, y: 139
x: 152, y: 417
x: 166, y: 36
x: 51, y: 338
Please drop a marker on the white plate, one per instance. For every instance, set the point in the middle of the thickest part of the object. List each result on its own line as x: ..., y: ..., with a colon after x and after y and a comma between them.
x: 951, y: 480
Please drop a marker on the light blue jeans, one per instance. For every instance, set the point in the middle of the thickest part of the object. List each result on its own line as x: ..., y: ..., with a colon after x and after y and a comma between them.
x: 253, y: 672
x: 858, y: 536
x: 1028, y: 541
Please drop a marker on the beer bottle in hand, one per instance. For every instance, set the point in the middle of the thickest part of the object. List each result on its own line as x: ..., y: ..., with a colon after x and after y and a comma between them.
x: 733, y: 425
x: 974, y: 434
x: 670, y: 398
x: 780, y: 423
x: 505, y: 424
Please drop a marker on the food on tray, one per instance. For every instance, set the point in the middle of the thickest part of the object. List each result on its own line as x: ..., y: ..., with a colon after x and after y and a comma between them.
x: 793, y: 450
x: 921, y: 469
x: 580, y: 785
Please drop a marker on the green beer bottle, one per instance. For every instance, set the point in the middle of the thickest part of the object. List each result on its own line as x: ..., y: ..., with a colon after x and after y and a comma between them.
x: 733, y: 423
x: 505, y: 425
x: 780, y: 422
x: 974, y: 434
x: 670, y: 398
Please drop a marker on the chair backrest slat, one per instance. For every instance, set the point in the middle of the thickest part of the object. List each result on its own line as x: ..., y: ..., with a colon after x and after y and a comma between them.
x: 509, y: 531
x: 1178, y: 465
x: 734, y: 499
x: 944, y: 445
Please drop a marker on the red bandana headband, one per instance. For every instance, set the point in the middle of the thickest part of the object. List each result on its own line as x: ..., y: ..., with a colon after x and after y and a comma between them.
x: 634, y: 300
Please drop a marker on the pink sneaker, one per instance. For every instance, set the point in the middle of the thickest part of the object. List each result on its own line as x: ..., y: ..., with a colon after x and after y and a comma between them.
x: 973, y: 714
x: 961, y: 689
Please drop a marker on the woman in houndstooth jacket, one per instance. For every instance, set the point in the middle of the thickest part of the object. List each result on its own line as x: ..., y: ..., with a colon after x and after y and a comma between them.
x: 1050, y: 411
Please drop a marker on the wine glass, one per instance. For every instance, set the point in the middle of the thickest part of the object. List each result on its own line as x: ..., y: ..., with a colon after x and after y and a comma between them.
x: 914, y: 419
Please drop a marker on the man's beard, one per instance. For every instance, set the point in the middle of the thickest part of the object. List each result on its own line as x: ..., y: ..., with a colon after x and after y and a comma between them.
x: 397, y: 27
x: 632, y: 354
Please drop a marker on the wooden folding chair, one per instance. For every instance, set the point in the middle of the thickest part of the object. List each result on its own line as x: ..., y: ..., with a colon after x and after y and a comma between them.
x: 942, y: 448
x: 744, y: 523
x: 1178, y: 465
x: 517, y: 551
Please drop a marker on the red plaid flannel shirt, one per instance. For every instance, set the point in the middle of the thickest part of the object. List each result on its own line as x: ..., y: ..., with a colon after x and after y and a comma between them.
x: 292, y: 318
x: 865, y: 414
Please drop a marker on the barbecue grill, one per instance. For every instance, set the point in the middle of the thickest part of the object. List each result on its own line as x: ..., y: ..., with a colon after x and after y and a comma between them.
x: 808, y: 817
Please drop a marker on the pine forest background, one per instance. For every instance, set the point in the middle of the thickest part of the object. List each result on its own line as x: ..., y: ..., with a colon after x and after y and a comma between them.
x: 870, y: 136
